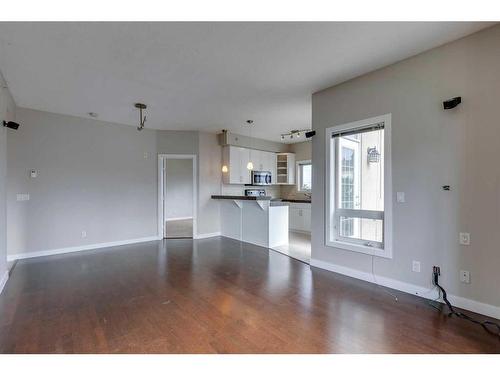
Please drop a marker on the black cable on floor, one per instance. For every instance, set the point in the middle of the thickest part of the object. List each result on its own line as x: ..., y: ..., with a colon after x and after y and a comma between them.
x: 488, y: 325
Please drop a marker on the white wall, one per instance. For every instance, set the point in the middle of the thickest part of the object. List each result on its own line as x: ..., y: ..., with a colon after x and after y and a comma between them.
x: 179, y: 188
x: 7, y: 113
x: 430, y: 148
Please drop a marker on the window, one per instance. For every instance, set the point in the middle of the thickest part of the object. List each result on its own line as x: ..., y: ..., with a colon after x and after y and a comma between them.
x: 359, y: 186
x: 304, y: 169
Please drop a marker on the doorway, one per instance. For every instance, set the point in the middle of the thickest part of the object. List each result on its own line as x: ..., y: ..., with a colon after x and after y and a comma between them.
x: 177, y: 204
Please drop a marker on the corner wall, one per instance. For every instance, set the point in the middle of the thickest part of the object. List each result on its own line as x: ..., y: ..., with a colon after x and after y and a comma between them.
x: 430, y: 148
x: 302, y: 151
x: 7, y: 113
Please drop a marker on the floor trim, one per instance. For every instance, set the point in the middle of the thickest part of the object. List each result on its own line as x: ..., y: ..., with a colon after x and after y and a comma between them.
x: 35, y: 254
x: 3, y: 280
x: 464, y: 303
x: 206, y: 235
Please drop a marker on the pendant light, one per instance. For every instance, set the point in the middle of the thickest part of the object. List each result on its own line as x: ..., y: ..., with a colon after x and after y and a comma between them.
x: 250, y: 164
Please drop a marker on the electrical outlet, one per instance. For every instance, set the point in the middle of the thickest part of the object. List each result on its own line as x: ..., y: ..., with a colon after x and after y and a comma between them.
x: 146, y: 155
x: 465, y: 277
x: 84, y: 233
x: 464, y: 238
x: 415, y: 266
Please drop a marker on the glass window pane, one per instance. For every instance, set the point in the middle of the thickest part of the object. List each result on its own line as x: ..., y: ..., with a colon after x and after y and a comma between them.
x: 360, y: 168
x: 305, y: 174
x: 361, y: 229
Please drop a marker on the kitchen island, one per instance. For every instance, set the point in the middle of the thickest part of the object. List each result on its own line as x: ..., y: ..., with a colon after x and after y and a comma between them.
x: 256, y: 220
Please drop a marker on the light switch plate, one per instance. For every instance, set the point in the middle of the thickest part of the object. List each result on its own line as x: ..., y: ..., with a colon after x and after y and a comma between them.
x: 464, y: 238
x: 23, y: 197
x: 400, y: 197
x: 416, y: 266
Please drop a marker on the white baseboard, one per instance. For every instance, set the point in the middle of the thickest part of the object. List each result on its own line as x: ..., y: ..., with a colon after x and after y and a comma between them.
x: 206, y: 235
x: 3, y: 280
x: 178, y: 218
x: 64, y: 250
x: 463, y: 303
x: 300, y: 231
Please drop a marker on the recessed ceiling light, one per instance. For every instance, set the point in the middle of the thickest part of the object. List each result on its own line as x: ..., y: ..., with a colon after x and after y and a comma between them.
x: 93, y: 114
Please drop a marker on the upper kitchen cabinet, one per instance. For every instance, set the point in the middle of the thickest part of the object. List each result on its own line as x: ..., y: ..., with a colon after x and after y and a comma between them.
x: 235, y: 159
x: 285, y: 168
x: 264, y: 161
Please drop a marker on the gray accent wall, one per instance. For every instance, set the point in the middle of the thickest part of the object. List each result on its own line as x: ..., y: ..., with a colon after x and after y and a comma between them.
x: 7, y: 113
x: 430, y: 148
x: 93, y: 176
x: 209, y: 183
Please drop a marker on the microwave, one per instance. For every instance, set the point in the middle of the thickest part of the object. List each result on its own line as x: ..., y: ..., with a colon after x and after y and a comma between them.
x: 261, y: 178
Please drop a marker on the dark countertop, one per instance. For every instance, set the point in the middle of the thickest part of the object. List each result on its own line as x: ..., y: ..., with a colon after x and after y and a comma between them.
x: 242, y: 197
x: 296, y: 200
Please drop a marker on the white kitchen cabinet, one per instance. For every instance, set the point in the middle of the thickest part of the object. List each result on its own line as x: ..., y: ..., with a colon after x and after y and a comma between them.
x: 236, y: 160
x: 300, y: 217
x: 285, y: 165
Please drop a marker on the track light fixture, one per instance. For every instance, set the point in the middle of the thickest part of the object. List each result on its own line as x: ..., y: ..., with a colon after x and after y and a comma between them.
x: 142, y: 120
x: 293, y: 134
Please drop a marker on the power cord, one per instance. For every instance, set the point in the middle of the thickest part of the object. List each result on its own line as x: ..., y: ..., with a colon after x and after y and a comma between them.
x: 488, y: 325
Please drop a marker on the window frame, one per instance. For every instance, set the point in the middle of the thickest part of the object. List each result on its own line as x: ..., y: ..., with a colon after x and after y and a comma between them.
x: 359, y: 246
x: 299, y: 175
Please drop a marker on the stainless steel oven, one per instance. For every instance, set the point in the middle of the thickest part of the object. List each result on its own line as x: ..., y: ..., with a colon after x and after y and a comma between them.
x: 261, y: 178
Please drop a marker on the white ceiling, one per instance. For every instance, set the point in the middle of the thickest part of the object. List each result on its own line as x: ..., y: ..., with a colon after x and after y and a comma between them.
x: 202, y: 76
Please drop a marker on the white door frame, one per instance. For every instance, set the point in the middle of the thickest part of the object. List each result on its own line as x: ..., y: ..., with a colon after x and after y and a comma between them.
x: 161, y: 191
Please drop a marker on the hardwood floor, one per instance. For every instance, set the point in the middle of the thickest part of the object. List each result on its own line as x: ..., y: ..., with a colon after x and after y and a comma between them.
x: 214, y: 296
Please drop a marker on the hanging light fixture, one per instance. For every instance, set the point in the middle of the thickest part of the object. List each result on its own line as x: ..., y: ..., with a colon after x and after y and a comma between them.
x: 250, y: 164
x: 142, y: 120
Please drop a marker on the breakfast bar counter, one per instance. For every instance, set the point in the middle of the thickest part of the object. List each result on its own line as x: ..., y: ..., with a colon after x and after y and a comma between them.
x: 253, y: 219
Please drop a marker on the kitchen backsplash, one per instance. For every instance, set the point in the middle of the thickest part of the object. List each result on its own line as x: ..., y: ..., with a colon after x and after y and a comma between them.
x: 273, y: 191
x: 291, y: 192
